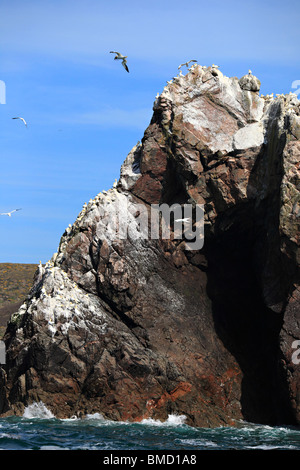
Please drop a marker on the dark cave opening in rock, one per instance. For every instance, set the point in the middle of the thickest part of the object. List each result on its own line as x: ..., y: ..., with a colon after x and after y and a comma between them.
x: 247, y: 327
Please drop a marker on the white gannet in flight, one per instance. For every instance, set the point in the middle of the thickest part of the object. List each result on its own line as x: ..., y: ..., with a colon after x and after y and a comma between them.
x: 121, y: 57
x: 9, y: 213
x: 22, y: 119
x: 183, y: 220
x: 186, y: 63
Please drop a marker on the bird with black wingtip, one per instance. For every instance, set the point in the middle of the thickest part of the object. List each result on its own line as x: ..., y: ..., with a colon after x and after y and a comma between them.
x: 122, y: 57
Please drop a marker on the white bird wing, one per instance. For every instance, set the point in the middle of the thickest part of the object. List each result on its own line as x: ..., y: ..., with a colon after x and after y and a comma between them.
x: 124, y: 63
x: 22, y: 119
x: 187, y: 63
x: 9, y: 213
x: 182, y: 220
x: 119, y: 55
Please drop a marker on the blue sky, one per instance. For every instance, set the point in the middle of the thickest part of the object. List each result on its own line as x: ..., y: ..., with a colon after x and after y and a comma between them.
x: 85, y: 112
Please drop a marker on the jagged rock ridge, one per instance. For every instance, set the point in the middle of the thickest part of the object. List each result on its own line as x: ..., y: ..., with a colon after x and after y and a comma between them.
x: 136, y: 327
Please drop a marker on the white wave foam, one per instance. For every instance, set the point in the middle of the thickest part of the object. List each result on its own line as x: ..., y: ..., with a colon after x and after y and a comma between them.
x: 96, y: 416
x: 37, y: 410
x: 40, y: 411
x: 173, y: 420
x: 51, y: 448
x: 198, y: 442
x: 98, y: 419
x: 267, y: 447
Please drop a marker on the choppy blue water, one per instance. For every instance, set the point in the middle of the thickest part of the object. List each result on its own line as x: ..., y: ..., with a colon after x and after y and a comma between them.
x: 39, y: 430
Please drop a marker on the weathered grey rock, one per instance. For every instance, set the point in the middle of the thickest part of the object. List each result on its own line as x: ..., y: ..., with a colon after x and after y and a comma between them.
x: 250, y: 83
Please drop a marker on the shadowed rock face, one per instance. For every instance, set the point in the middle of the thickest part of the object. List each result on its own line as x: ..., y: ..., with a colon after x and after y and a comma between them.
x: 135, y: 327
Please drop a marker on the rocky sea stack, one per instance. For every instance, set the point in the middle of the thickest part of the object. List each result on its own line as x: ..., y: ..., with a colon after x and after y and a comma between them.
x: 136, y: 327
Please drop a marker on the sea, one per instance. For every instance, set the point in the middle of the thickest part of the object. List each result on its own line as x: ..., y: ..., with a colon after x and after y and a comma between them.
x: 39, y: 430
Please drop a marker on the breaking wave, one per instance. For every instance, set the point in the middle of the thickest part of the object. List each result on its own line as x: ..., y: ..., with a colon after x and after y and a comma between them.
x: 39, y: 429
x: 37, y: 410
x: 173, y: 420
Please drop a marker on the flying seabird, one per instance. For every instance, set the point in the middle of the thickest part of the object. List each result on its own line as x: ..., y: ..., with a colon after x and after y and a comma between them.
x: 186, y: 63
x: 9, y: 213
x: 183, y: 220
x: 22, y: 119
x: 122, y: 57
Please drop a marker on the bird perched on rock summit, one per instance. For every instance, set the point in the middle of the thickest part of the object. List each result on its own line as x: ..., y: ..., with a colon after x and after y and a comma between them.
x: 249, y: 82
x: 122, y: 57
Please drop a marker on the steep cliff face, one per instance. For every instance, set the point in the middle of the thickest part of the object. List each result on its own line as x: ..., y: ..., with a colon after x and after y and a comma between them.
x: 133, y: 326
